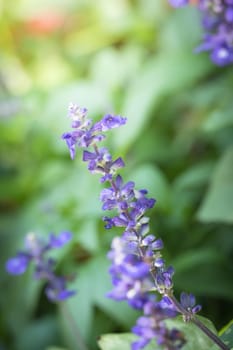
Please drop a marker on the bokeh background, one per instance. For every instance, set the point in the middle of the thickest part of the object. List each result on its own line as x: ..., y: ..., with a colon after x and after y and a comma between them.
x: 135, y: 58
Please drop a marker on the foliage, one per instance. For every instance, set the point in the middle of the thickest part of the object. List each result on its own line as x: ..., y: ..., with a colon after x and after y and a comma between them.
x: 134, y: 58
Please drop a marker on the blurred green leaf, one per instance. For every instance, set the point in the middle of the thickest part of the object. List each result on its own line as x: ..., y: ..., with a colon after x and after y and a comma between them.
x: 178, y: 34
x: 218, y: 203
x: 38, y: 335
x: 226, y: 334
x: 20, y: 301
x: 203, y: 280
x: 218, y: 119
x: 194, y: 177
x: 196, y: 258
x: 166, y: 74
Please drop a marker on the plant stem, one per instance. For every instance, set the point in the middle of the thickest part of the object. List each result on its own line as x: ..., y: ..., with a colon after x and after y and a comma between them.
x: 210, y: 334
x: 74, y: 327
x: 188, y: 316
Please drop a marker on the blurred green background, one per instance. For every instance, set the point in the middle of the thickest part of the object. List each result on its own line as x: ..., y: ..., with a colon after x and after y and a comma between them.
x: 135, y: 58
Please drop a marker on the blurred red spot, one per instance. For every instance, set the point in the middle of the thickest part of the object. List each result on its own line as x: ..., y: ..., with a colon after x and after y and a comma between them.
x: 45, y: 23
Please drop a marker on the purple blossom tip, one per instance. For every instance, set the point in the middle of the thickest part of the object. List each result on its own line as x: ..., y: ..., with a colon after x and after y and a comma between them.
x: 188, y: 302
x: 110, y: 121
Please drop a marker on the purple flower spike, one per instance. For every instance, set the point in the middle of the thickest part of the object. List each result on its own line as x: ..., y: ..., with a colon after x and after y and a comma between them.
x: 35, y: 252
x: 217, y: 20
x: 137, y: 267
x: 18, y: 265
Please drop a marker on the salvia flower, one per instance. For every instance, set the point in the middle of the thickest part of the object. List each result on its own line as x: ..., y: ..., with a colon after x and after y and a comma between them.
x: 188, y: 302
x: 35, y: 252
x: 217, y: 22
x: 137, y: 267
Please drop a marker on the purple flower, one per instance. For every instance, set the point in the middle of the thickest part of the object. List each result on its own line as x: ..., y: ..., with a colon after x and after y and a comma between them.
x: 137, y: 267
x: 18, y: 265
x: 35, y: 252
x: 178, y: 3
x: 217, y: 22
x: 109, y: 122
x: 85, y: 132
x: 60, y: 240
x: 188, y: 302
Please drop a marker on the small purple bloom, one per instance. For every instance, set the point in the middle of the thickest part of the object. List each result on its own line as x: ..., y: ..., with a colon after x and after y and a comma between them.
x: 35, y: 252
x: 60, y: 240
x: 56, y: 290
x: 110, y: 121
x: 188, y: 302
x: 18, y: 265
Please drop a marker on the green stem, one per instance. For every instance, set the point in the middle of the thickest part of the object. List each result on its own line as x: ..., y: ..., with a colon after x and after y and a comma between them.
x: 189, y: 316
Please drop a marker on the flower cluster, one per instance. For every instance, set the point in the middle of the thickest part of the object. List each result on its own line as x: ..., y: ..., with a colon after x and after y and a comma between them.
x: 138, y: 268
x: 35, y: 252
x: 217, y: 21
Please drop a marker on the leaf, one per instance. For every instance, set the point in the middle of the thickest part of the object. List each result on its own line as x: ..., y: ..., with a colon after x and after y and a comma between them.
x: 182, y: 31
x: 116, y: 341
x: 218, y: 203
x: 203, y: 280
x: 218, y: 119
x: 38, y: 334
x: 167, y: 74
x: 195, y: 259
x: 195, y: 338
x: 226, y: 334
x: 194, y: 176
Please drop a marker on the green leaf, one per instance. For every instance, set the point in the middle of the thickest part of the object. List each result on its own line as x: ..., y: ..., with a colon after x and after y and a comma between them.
x: 116, y: 341
x: 194, y: 176
x: 165, y: 75
x: 196, y: 339
x: 38, y: 334
x: 182, y: 31
x: 195, y: 259
x: 218, y: 203
x: 226, y: 334
x: 218, y: 119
